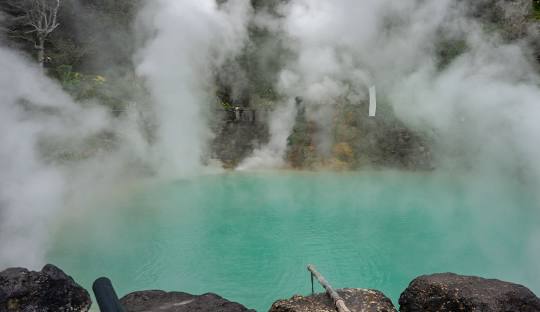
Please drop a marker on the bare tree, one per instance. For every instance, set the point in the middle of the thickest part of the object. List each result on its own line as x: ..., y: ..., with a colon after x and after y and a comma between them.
x: 34, y: 21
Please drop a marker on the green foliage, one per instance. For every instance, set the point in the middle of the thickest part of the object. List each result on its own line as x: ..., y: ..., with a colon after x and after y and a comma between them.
x: 77, y: 84
x: 84, y: 87
x: 226, y: 105
x: 536, y: 9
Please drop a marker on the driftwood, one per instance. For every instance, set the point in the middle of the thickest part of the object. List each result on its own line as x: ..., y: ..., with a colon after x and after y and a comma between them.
x: 338, y: 301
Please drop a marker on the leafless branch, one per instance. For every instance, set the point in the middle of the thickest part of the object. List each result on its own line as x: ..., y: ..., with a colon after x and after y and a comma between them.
x: 36, y: 19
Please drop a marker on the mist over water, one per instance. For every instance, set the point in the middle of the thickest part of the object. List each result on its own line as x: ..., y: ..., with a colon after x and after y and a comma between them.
x: 480, y: 111
x: 181, y: 43
x: 250, y: 241
x: 32, y: 191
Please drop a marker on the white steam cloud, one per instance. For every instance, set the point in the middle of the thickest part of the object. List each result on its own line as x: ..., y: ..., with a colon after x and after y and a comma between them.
x: 57, y: 155
x: 482, y: 105
x: 193, y: 39
x: 271, y: 155
x: 32, y: 191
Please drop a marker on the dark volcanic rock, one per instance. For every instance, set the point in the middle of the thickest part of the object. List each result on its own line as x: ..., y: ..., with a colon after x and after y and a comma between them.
x: 49, y: 290
x: 451, y: 292
x: 157, y: 300
x: 236, y: 140
x: 365, y: 300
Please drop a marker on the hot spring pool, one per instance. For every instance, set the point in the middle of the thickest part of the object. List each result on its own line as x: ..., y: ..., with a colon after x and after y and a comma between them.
x: 249, y: 237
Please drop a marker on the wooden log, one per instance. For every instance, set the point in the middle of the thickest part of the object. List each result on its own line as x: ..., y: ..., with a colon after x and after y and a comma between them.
x: 338, y: 301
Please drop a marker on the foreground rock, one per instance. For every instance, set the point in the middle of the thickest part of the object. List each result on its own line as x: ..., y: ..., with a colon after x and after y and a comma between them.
x: 157, y: 300
x: 365, y: 300
x: 50, y: 290
x: 451, y: 292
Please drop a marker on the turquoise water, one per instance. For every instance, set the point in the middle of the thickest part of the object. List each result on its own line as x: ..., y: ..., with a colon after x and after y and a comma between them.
x: 249, y: 237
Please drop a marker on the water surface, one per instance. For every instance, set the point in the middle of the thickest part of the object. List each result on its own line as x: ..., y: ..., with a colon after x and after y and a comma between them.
x: 249, y: 237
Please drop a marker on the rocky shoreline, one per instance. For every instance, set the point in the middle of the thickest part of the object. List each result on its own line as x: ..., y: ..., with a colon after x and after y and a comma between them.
x: 52, y: 290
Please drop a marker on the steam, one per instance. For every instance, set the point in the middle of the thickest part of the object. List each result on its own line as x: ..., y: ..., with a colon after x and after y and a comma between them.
x: 193, y: 39
x: 32, y: 109
x: 481, y: 108
x: 59, y: 156
x: 271, y: 155
x: 481, y: 105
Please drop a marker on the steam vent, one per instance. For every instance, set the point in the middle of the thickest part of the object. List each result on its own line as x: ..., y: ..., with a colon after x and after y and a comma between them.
x: 269, y: 155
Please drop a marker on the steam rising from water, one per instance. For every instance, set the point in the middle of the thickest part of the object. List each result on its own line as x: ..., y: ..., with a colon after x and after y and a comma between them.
x: 481, y: 108
x: 193, y: 39
x: 271, y: 155
x: 32, y: 190
x: 183, y: 42
x: 482, y: 105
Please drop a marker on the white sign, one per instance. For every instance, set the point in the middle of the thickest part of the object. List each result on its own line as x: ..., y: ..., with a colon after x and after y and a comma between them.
x: 372, y: 101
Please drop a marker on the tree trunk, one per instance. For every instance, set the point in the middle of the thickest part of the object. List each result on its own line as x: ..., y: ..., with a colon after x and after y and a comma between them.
x: 41, y: 52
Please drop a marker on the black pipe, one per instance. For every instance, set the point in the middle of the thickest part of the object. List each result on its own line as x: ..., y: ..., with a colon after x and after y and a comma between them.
x: 106, y: 297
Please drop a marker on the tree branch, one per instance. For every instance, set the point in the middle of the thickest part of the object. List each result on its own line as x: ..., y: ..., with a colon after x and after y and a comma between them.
x: 36, y: 19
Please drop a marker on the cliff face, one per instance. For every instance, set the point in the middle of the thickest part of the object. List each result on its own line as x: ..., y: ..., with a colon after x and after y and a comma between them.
x: 237, y: 135
x: 96, y: 38
x: 513, y: 19
x: 358, y: 141
x: 353, y: 140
